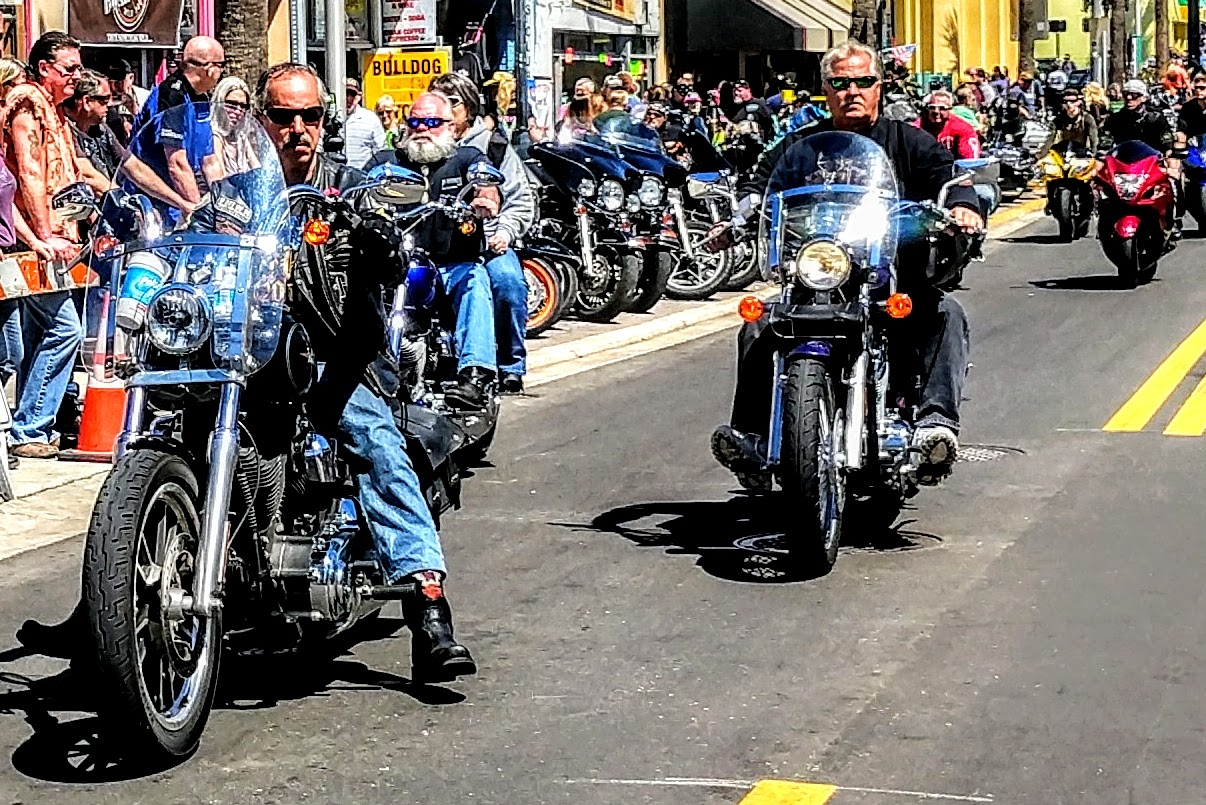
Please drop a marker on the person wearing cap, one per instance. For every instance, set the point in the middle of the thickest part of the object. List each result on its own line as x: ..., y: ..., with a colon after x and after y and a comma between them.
x: 753, y: 112
x: 1073, y: 123
x: 363, y: 134
x: 615, y: 97
x: 1027, y: 93
x: 694, y: 116
x: 1057, y: 82
x: 1135, y: 121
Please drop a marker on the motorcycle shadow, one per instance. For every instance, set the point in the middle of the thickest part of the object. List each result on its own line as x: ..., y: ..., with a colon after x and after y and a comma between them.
x: 82, y: 751
x: 743, y: 538
x: 1091, y: 282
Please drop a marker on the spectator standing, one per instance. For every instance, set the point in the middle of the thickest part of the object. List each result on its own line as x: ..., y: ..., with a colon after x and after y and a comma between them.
x: 38, y: 148
x: 363, y: 134
x: 233, y: 141
x: 1097, y: 103
x: 387, y: 113
x: 122, y: 82
x: 97, y: 151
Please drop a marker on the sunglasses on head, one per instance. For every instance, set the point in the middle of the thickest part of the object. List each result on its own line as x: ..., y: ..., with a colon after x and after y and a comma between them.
x: 429, y: 122
x: 841, y: 83
x: 284, y: 117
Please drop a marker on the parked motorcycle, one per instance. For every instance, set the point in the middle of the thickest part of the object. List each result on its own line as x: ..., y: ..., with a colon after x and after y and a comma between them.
x: 843, y: 402
x: 1017, y: 166
x: 584, y: 187
x: 551, y: 273
x: 1135, y: 210
x: 1068, y: 169
x: 227, y: 517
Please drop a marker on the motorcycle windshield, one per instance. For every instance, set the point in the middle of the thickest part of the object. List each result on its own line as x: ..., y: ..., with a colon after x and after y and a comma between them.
x: 213, y: 267
x: 620, y: 130
x: 844, y: 191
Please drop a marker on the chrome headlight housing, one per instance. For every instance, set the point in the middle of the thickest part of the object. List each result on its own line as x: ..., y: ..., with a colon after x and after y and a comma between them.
x: 179, y: 320
x: 1128, y: 185
x: 611, y: 195
x: 822, y: 265
x: 587, y: 188
x: 651, y: 192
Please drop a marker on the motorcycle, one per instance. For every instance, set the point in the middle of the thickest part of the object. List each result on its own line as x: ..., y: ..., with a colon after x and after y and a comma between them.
x: 583, y: 187
x: 551, y: 273
x: 1135, y: 210
x: 843, y: 399
x: 227, y: 518
x: 1069, y: 171
x: 1194, y: 167
x: 1017, y: 166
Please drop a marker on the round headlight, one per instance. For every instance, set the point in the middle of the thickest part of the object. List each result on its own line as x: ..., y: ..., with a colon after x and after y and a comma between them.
x: 611, y: 195
x: 587, y: 188
x: 822, y: 265
x: 179, y: 320
x: 652, y: 192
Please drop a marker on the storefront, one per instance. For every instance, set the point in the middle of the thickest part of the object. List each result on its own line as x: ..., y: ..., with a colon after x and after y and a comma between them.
x: 146, y: 33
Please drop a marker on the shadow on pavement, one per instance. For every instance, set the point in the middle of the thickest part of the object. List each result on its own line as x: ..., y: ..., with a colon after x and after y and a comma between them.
x: 742, y: 539
x: 1035, y: 240
x: 85, y: 751
x: 1092, y: 282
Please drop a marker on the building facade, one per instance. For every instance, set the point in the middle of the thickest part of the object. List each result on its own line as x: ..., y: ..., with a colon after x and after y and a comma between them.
x: 953, y: 35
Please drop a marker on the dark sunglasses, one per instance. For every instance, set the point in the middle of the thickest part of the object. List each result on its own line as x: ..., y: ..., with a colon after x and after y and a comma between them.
x: 1199, y: 86
x: 455, y: 100
x: 284, y: 117
x: 240, y: 105
x: 933, y: 107
x: 1071, y: 100
x: 429, y: 122
x: 105, y: 99
x: 1132, y: 95
x: 842, y: 83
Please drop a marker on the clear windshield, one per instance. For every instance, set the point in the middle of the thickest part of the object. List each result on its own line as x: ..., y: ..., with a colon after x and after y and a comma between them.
x: 619, y: 129
x: 230, y: 244
x: 842, y: 188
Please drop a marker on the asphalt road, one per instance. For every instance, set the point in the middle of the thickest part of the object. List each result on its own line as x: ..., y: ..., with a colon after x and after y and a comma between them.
x: 1031, y: 631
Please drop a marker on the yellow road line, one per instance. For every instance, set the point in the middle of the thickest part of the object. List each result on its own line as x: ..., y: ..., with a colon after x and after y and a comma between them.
x: 1138, y: 411
x: 781, y: 792
x: 1191, y: 419
x: 1004, y: 215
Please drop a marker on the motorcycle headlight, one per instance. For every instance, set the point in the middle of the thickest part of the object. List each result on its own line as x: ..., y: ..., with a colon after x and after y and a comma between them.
x: 1128, y: 185
x: 179, y: 320
x: 587, y: 188
x: 632, y: 204
x: 822, y: 265
x: 652, y: 192
x: 611, y: 195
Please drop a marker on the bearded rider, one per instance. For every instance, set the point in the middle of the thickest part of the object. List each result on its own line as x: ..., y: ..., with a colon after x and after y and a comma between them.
x: 937, y: 328
x: 353, y: 390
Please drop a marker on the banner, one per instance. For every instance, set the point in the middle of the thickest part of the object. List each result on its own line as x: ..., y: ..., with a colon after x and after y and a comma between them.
x: 624, y: 9
x: 125, y: 22
x: 402, y: 74
x: 408, y: 23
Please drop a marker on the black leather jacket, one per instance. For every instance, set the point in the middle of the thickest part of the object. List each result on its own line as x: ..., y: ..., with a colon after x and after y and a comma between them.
x: 1143, y: 124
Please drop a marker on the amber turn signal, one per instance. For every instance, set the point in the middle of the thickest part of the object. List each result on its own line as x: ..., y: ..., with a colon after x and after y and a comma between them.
x: 104, y: 243
x: 750, y: 308
x: 316, y: 232
x: 899, y: 305
x: 468, y: 227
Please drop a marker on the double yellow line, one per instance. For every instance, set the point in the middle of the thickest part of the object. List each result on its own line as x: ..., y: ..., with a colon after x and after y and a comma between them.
x: 782, y: 792
x: 1145, y: 403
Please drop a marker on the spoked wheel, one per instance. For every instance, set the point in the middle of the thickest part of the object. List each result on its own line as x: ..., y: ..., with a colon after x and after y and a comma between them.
x: 698, y: 277
x: 544, y: 295
x: 813, y: 430
x: 159, y: 665
x: 744, y: 267
x: 604, y: 289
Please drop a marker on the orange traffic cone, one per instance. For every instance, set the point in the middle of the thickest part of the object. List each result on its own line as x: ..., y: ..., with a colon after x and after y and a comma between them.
x: 104, y: 405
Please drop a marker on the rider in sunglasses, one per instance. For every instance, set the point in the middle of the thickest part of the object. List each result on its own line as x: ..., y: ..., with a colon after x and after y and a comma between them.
x: 953, y: 132
x: 1136, y: 120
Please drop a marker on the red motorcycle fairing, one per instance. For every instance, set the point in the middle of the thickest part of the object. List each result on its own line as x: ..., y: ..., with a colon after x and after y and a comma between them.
x: 1126, y: 226
x: 1150, y: 188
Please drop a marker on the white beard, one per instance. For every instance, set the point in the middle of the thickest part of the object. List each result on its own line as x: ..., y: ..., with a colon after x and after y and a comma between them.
x: 424, y: 151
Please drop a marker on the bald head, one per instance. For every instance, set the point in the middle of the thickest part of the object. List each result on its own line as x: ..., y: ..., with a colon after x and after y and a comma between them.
x: 432, y: 104
x: 204, y: 59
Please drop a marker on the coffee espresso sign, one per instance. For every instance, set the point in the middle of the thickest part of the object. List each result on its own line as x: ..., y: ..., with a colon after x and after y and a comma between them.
x: 125, y: 22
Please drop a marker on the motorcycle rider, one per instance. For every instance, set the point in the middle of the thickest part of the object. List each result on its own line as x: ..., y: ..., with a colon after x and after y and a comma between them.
x: 938, y: 326
x: 1191, y: 120
x: 953, y: 132
x: 1073, y: 124
x: 289, y: 101
x: 516, y: 217
x: 430, y: 148
x: 1135, y: 121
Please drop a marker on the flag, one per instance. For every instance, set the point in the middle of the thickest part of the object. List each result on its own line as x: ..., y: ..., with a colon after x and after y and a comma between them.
x: 901, y: 53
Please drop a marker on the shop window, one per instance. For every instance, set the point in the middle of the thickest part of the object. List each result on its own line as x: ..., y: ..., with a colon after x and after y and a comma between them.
x: 359, y: 26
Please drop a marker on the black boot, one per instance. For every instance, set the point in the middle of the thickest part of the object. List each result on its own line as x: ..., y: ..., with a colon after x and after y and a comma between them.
x: 435, y: 654
x: 511, y: 384
x: 471, y: 390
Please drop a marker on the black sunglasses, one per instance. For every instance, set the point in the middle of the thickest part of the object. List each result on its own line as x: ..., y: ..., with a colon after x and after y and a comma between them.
x: 240, y: 105
x: 1132, y: 95
x: 935, y: 107
x: 284, y: 117
x: 429, y: 122
x: 841, y: 83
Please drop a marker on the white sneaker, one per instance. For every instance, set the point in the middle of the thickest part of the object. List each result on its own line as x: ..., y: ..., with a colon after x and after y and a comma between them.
x: 939, y: 448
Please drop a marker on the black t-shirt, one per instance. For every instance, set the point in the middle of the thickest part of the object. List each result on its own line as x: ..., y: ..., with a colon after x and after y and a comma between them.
x: 100, y: 146
x: 442, y: 237
x: 760, y: 113
x: 1192, y: 119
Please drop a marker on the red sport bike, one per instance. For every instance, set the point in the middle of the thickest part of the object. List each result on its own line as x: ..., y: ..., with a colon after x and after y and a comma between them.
x: 1135, y: 210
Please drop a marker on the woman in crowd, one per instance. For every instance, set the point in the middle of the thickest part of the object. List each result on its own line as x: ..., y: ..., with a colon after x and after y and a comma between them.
x: 231, y: 125
x: 387, y: 112
x: 1096, y: 102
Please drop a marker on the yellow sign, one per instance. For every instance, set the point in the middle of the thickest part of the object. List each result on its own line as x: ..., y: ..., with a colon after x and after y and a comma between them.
x: 402, y: 74
x: 624, y: 9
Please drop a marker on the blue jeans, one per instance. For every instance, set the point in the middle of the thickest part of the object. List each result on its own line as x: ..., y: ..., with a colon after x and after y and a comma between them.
x: 12, y: 348
x: 53, y: 333
x: 468, y: 285
x: 510, y: 312
x: 398, y: 517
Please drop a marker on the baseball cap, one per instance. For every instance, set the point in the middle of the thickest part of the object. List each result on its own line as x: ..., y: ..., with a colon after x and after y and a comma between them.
x: 1135, y: 86
x: 613, y: 82
x: 741, y: 82
x: 353, y: 85
x: 583, y: 86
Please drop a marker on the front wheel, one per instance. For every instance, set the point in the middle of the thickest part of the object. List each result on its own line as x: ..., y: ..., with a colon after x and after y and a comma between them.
x: 652, y: 285
x: 813, y: 429
x: 605, y: 288
x: 1062, y: 208
x: 159, y: 665
x: 696, y: 278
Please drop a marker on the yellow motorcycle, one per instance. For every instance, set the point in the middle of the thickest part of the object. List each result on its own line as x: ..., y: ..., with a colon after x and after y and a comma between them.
x: 1068, y: 168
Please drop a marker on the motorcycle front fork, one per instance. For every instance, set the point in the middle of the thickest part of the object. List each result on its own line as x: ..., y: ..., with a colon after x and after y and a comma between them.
x: 856, y: 413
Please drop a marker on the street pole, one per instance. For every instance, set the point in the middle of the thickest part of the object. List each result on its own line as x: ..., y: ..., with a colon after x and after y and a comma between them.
x: 523, y: 64
x: 1194, y: 34
x: 337, y: 68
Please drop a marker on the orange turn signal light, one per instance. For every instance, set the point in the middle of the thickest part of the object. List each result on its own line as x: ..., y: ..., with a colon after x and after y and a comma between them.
x: 468, y: 227
x: 899, y: 305
x: 751, y: 308
x: 104, y: 243
x: 316, y: 232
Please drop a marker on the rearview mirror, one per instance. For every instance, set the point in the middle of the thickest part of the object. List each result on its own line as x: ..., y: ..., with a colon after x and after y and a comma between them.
x: 75, y: 202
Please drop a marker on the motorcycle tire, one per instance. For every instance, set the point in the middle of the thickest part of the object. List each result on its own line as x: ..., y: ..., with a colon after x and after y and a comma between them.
x: 603, y: 300
x: 1128, y: 263
x: 745, y: 273
x: 1063, y: 215
x: 1196, y: 201
x: 569, y: 288
x: 148, y: 512
x: 697, y: 279
x: 652, y: 285
x: 544, y: 295
x: 812, y: 430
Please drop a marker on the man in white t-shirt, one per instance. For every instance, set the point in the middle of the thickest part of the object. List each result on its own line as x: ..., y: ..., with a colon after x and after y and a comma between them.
x: 363, y: 134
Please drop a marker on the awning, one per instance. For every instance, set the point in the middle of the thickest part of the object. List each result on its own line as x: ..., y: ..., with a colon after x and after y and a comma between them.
x: 822, y: 23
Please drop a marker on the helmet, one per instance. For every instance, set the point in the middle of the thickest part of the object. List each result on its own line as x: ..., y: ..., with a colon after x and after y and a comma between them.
x: 1057, y: 79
